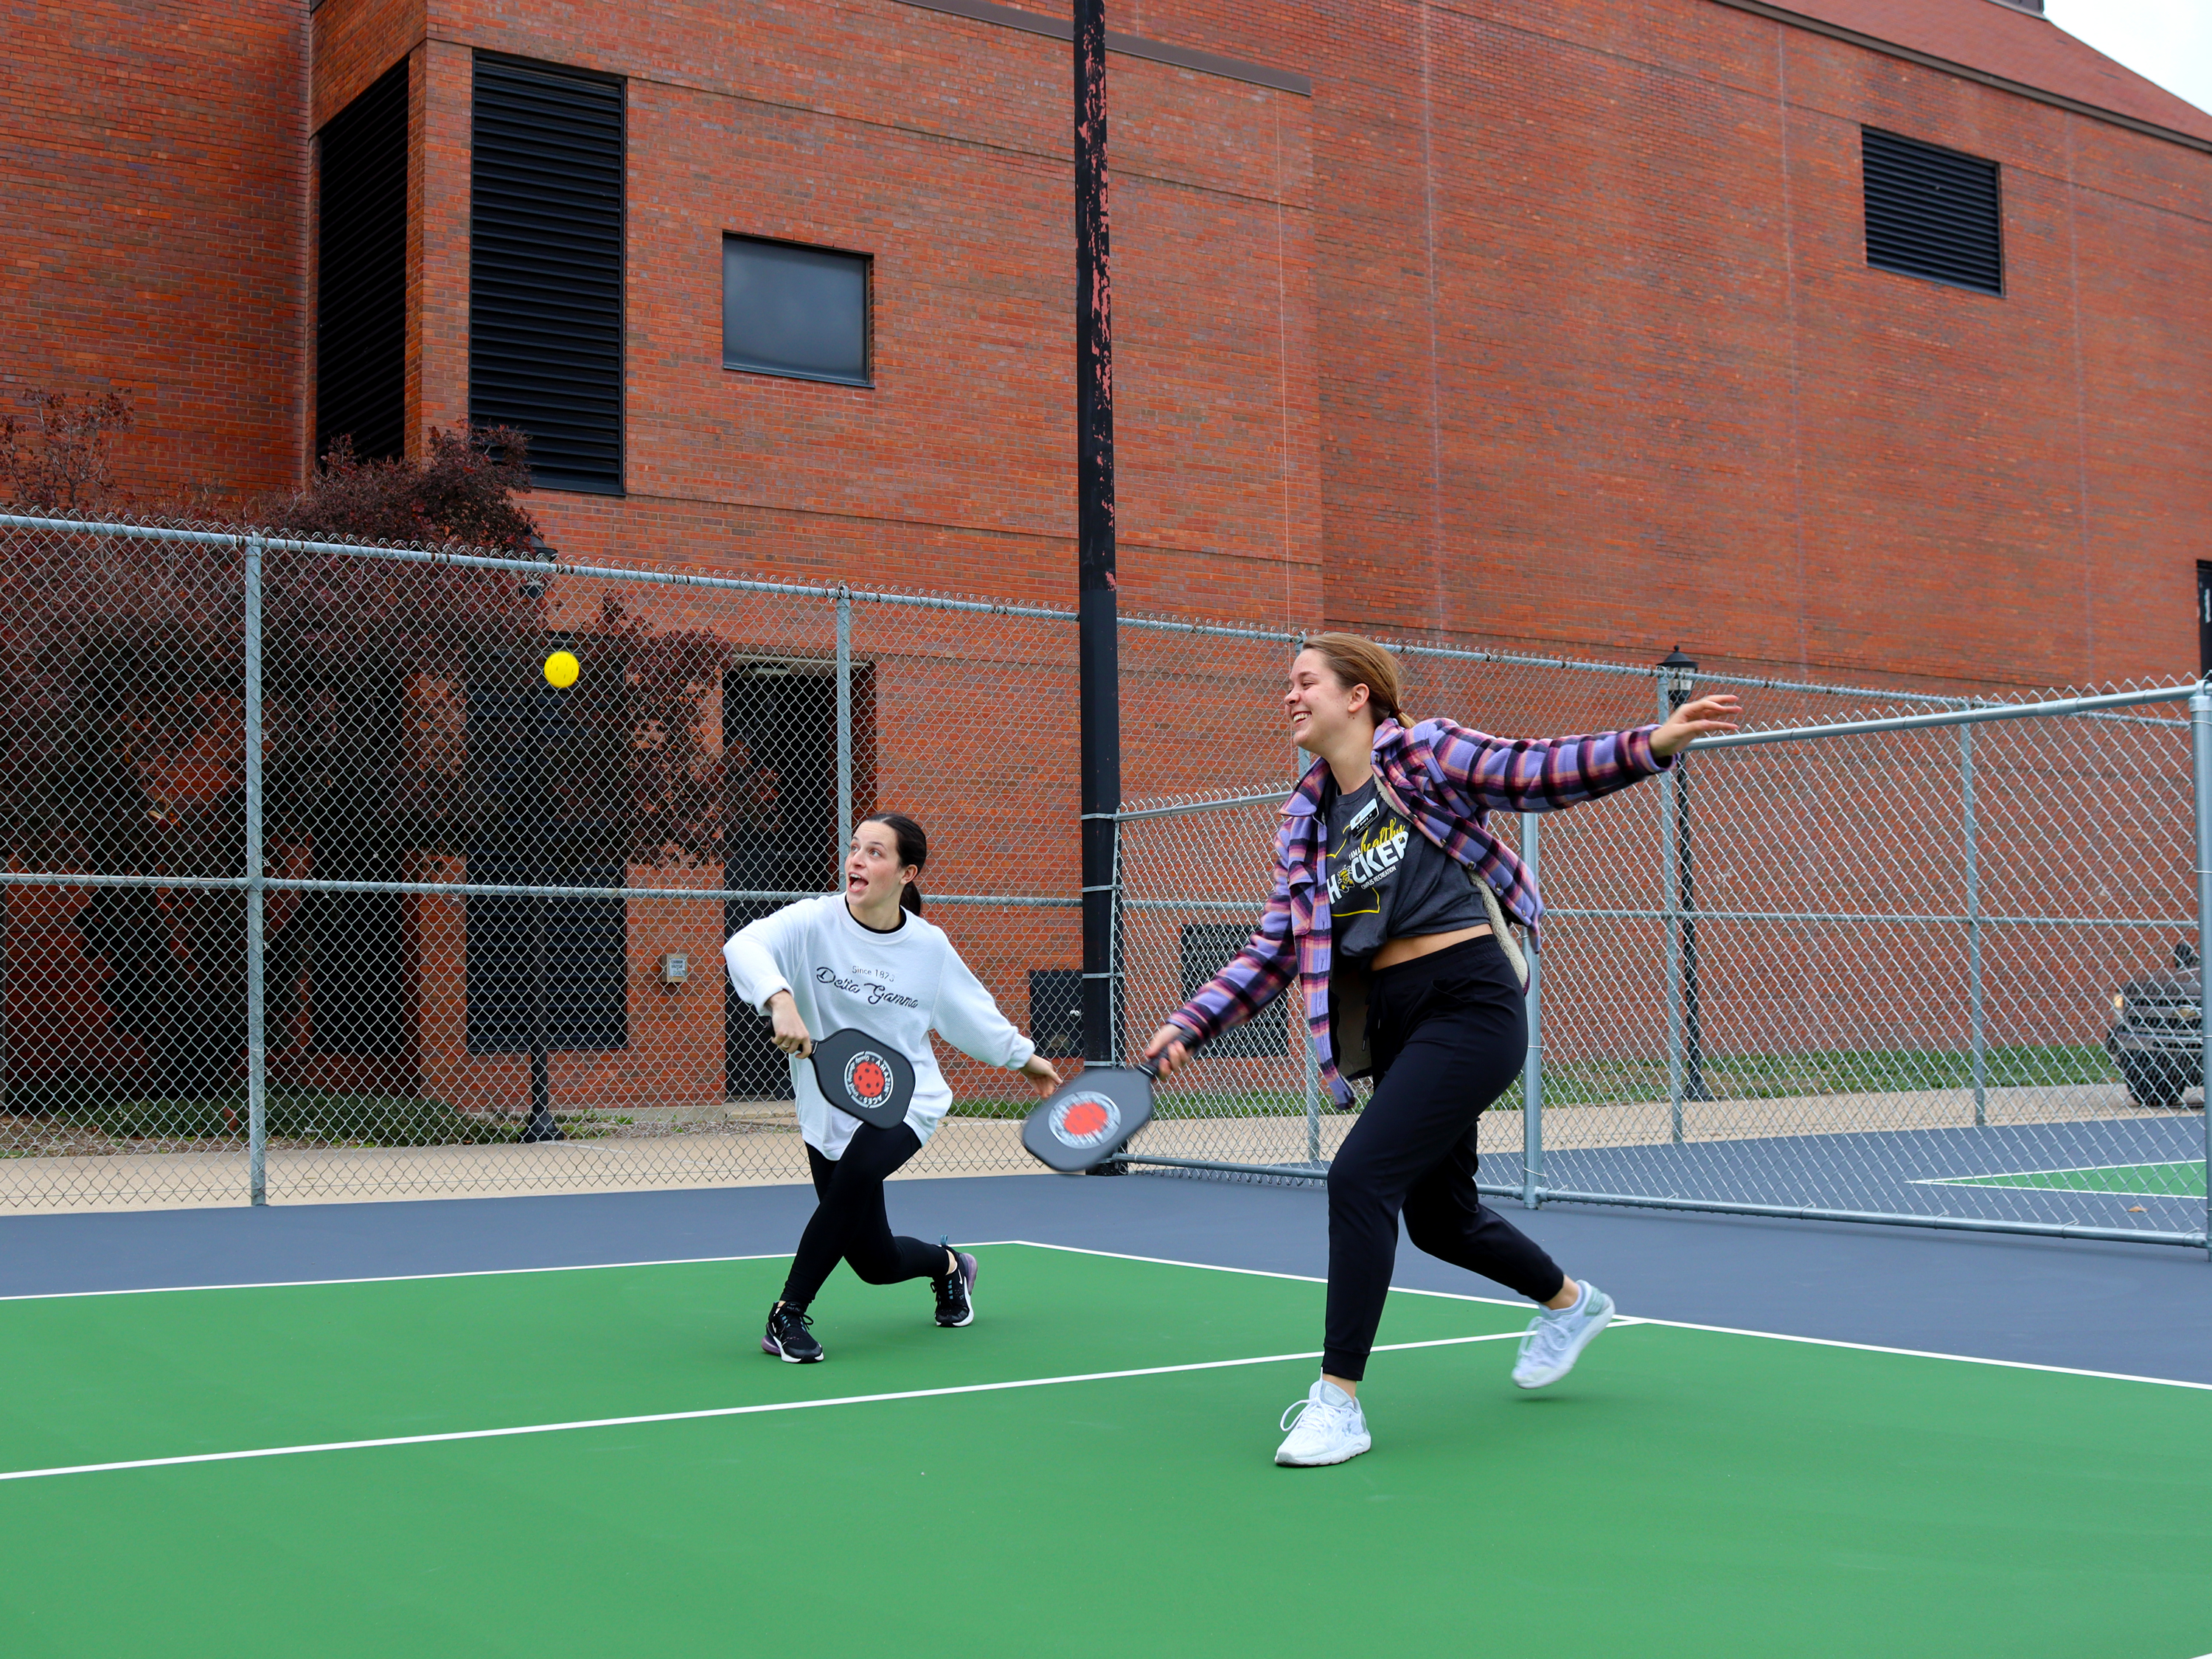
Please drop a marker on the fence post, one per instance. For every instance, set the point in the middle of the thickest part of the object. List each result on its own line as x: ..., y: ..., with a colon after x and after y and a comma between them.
x: 1306, y: 1031
x: 256, y: 1036
x: 2200, y: 732
x: 844, y: 726
x: 1532, y: 1069
x: 1681, y: 678
x: 1313, y: 1086
x: 1670, y: 889
x: 1974, y: 929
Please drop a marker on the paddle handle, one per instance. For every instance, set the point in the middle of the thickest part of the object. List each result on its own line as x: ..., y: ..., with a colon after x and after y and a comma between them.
x: 1151, y: 1067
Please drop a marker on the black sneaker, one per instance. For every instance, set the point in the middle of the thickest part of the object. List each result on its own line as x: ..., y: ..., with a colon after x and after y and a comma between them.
x: 956, y: 1292
x: 787, y: 1337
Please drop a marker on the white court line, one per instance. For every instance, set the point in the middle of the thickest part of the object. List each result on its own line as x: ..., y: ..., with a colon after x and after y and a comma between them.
x: 2071, y: 1169
x: 1170, y: 1261
x: 1984, y: 1181
x: 409, y: 1279
x: 723, y: 1411
x: 1671, y: 1324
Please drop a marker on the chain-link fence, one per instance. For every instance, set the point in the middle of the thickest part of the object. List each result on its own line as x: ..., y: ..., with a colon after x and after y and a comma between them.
x: 317, y: 889
x: 1931, y: 962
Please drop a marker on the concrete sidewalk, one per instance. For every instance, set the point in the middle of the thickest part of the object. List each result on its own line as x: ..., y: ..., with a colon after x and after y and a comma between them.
x: 753, y: 1145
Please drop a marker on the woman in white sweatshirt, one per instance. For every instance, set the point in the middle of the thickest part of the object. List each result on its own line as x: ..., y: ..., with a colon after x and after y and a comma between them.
x: 865, y: 959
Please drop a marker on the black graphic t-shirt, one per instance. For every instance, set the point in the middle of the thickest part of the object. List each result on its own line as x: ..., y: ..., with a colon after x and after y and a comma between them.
x: 1387, y: 880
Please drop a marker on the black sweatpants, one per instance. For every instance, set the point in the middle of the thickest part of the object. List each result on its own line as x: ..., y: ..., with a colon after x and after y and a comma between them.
x: 1449, y: 1033
x: 849, y: 1221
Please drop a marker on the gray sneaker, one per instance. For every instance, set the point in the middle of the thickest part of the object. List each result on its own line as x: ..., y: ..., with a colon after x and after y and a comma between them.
x: 1556, y: 1341
x: 1325, y: 1427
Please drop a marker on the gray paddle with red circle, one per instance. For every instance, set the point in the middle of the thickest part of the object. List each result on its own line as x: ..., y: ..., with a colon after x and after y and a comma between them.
x: 864, y: 1076
x: 1083, y: 1123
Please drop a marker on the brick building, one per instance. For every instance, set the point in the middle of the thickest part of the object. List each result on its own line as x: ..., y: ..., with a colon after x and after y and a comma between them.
x: 1856, y: 339
x: 1552, y: 325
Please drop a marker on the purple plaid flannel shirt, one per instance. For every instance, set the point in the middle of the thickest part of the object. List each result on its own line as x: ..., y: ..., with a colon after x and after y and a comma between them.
x: 1445, y: 779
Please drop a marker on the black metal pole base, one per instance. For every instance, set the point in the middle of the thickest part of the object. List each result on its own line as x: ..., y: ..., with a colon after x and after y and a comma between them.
x: 542, y: 1125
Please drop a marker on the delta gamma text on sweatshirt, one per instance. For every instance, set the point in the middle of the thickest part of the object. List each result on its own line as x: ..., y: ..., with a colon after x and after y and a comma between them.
x: 896, y: 986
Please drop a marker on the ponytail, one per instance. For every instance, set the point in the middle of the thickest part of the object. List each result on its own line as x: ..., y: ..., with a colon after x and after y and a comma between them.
x: 912, y: 849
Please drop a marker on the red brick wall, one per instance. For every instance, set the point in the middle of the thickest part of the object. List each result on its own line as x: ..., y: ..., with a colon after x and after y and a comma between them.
x: 1544, y: 324
x: 1603, y: 366
x: 939, y: 146
x: 156, y: 210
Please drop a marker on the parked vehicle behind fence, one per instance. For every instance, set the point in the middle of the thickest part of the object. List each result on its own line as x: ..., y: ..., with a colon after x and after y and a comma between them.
x: 2157, y: 1035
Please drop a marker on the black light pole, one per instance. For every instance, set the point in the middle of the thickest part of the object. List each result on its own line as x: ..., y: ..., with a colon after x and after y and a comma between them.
x: 541, y: 1126
x: 1681, y: 674
x: 1098, y: 648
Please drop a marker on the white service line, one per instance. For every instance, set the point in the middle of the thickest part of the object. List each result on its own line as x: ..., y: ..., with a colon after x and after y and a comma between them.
x: 409, y: 1279
x: 723, y: 1411
x: 1674, y: 1324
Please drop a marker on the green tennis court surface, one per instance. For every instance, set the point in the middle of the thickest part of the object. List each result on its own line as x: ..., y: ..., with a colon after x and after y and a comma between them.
x: 1686, y: 1492
x: 2130, y: 1179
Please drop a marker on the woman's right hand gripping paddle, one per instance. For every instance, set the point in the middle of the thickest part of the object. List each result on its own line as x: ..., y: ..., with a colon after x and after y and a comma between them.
x: 1168, y: 1049
x: 790, y: 1033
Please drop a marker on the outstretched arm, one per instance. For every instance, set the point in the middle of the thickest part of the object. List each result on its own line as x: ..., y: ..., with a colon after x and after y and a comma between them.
x: 1541, y: 774
x: 1706, y: 717
x: 1253, y: 977
x: 969, y: 1017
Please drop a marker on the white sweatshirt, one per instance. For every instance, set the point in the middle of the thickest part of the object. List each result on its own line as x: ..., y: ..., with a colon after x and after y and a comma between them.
x: 896, y: 986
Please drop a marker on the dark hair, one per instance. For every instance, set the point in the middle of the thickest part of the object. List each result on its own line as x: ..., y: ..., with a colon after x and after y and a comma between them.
x: 913, y: 848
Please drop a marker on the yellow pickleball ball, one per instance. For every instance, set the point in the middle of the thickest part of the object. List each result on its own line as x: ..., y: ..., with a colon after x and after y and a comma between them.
x: 562, y: 669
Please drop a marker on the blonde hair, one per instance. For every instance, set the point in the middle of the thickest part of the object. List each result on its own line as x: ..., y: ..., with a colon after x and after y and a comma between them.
x: 1356, y: 660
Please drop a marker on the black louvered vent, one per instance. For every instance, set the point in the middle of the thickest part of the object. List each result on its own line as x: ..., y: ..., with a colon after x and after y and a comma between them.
x: 1933, y: 213
x: 361, y: 274
x: 545, y: 268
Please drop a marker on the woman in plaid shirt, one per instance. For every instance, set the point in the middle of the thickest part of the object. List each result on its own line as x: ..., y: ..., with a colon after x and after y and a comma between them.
x: 1390, y: 906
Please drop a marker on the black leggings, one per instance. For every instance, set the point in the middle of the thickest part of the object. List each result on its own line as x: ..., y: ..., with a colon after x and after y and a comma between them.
x: 1449, y: 1033
x: 849, y: 1220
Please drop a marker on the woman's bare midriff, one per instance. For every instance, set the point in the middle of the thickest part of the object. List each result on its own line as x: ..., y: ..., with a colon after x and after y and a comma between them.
x: 1396, y: 950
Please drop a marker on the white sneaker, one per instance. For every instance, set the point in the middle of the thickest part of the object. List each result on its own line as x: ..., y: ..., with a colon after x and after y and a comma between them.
x: 1327, y: 1426
x: 1556, y: 1341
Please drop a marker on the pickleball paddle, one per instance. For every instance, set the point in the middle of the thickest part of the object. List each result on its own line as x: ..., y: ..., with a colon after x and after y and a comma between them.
x: 864, y: 1076
x: 1083, y: 1123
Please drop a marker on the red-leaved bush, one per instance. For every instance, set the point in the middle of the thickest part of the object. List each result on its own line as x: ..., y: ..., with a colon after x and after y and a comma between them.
x: 404, y: 717
x: 463, y: 490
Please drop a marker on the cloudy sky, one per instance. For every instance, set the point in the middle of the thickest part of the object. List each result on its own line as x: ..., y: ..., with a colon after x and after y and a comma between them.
x: 2169, y: 41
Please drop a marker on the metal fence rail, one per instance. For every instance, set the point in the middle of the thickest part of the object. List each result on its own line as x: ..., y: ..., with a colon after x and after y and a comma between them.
x: 316, y: 889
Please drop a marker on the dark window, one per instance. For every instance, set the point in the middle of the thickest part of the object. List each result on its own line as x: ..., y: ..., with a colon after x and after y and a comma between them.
x: 587, y: 945
x: 2204, y: 618
x: 1056, y: 1011
x: 780, y: 747
x: 517, y: 730
x: 1206, y: 948
x: 1933, y: 213
x: 361, y: 274
x: 545, y: 268
x: 797, y: 311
